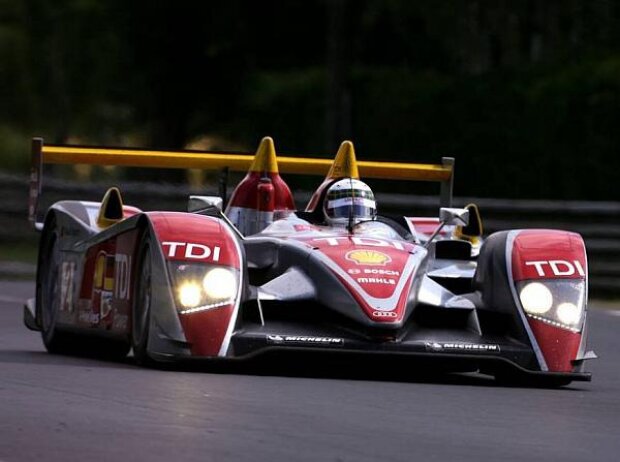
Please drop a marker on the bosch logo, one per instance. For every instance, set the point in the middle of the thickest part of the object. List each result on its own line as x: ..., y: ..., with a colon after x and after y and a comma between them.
x: 381, y: 272
x: 354, y: 271
x: 384, y: 314
x: 558, y: 268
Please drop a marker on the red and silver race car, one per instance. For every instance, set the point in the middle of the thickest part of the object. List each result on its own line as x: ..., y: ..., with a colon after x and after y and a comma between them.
x: 260, y: 279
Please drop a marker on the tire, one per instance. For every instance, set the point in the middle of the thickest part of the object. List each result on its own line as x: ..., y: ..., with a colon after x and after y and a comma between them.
x: 48, y: 294
x: 141, y: 308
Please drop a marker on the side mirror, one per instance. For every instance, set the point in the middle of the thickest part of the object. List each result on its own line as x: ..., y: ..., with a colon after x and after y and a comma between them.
x: 451, y: 216
x: 197, y: 203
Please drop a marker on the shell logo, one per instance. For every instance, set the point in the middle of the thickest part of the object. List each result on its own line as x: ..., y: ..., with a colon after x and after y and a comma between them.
x: 368, y: 257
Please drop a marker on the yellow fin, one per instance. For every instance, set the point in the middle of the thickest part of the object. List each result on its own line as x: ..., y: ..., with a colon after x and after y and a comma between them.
x: 345, y: 163
x: 265, y: 158
x: 111, y: 210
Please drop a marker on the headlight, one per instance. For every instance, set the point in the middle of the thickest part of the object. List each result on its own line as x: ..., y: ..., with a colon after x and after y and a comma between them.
x: 559, y: 302
x: 220, y: 283
x: 199, y: 288
x: 536, y: 298
x: 569, y: 313
x: 189, y: 295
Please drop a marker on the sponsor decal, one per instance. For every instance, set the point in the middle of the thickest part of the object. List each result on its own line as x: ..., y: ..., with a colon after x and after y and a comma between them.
x: 368, y: 257
x: 384, y: 314
x: 304, y: 339
x: 385, y: 281
x: 67, y: 277
x: 122, y: 276
x: 374, y: 272
x: 191, y: 251
x: 120, y: 322
x: 559, y: 268
x: 89, y: 318
x: 303, y: 227
x: 105, y: 285
x: 382, y: 272
x: 367, y: 241
x: 462, y: 347
x: 105, y: 305
x: 104, y: 272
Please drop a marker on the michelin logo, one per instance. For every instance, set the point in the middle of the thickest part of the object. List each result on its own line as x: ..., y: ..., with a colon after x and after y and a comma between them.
x: 305, y: 340
x: 462, y: 347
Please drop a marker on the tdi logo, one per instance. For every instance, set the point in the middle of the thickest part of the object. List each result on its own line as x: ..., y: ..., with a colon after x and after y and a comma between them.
x: 368, y: 241
x: 122, y: 276
x: 548, y: 268
x: 191, y: 251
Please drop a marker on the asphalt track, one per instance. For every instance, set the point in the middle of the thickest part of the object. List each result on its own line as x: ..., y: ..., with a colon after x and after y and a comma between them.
x: 62, y: 408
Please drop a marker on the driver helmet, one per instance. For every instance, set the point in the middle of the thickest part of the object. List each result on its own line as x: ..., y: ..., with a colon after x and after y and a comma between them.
x: 349, y: 201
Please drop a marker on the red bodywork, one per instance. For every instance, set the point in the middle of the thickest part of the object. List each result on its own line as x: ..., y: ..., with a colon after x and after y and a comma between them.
x: 105, y: 295
x: 204, y: 239
x: 246, y: 193
x: 377, y: 272
x: 550, y: 254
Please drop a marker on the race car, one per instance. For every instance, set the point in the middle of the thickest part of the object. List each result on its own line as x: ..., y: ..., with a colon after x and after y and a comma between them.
x: 257, y: 278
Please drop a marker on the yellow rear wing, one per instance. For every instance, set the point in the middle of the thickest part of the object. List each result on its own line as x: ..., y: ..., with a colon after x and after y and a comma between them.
x: 241, y: 162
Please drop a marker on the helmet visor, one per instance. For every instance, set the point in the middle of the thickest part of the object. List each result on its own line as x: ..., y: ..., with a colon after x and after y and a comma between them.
x: 357, y: 207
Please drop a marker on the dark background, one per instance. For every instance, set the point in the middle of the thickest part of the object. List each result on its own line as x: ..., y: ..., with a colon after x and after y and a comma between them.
x: 524, y: 93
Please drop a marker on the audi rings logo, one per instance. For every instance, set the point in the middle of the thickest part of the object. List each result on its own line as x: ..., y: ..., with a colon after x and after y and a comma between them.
x: 384, y: 314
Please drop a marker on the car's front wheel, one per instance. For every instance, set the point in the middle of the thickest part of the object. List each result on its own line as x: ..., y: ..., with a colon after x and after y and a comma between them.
x: 141, y: 309
x: 48, y: 293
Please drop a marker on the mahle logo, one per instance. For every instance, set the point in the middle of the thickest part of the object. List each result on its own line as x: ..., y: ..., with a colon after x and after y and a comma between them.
x: 368, y: 257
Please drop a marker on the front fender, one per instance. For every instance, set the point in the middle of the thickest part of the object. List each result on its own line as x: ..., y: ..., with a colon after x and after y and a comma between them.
x: 508, y: 261
x: 547, y: 257
x: 202, y: 241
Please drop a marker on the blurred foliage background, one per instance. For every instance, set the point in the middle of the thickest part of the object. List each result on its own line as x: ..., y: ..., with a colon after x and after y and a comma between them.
x: 524, y: 93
